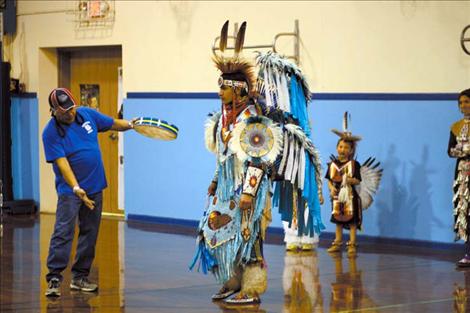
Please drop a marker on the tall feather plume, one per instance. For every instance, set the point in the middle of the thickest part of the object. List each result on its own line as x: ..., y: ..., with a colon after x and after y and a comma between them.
x: 345, y: 121
x: 240, y: 39
x: 223, y: 37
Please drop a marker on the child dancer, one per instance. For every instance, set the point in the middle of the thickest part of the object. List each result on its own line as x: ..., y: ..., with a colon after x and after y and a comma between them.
x: 351, y: 188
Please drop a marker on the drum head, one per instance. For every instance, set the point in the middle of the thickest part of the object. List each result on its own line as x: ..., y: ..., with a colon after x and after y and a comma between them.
x: 155, y: 128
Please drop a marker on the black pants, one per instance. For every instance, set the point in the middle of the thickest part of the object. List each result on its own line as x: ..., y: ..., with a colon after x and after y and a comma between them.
x: 69, y: 208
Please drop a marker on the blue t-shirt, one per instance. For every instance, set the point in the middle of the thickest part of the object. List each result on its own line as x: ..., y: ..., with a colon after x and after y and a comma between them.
x: 80, y: 146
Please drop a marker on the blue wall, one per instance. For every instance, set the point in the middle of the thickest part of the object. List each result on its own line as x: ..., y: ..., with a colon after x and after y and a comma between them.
x: 25, y: 147
x: 170, y: 179
x: 409, y: 137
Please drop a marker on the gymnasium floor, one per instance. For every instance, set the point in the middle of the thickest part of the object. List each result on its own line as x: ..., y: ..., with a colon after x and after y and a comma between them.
x: 144, y: 268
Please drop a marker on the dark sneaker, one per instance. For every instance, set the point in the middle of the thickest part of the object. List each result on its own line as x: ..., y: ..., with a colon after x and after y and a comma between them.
x: 53, y: 288
x: 83, y: 284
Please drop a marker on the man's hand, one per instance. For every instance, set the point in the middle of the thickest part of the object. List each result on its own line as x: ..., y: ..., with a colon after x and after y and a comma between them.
x: 246, y: 202
x: 212, y: 188
x: 320, y: 198
x: 83, y: 196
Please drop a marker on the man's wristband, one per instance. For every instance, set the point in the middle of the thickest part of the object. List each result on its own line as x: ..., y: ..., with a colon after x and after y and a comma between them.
x: 76, y: 188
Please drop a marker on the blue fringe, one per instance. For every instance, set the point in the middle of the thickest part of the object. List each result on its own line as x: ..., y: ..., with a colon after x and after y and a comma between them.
x: 225, y: 190
x: 298, y: 105
x: 237, y: 251
x: 310, y: 194
x: 221, y: 261
x: 206, y: 261
x: 282, y: 198
x: 284, y: 202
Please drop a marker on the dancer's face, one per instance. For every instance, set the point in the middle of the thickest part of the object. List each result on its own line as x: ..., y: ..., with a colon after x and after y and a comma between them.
x: 464, y: 105
x: 226, y: 94
x: 344, y: 150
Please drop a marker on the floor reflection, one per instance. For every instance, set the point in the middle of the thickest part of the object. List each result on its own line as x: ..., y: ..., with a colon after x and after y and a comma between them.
x: 78, y: 302
x: 461, y: 293
x: 107, y: 270
x: 17, y: 259
x: 237, y: 308
x: 301, y: 283
x: 348, y: 292
x: 386, y: 279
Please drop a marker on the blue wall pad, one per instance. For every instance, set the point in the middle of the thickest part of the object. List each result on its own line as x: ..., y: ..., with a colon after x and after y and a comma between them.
x: 409, y: 137
x: 25, y: 148
x: 191, y: 225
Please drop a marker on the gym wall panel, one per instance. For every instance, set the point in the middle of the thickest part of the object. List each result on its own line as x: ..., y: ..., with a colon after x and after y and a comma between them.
x: 25, y: 148
x: 409, y: 138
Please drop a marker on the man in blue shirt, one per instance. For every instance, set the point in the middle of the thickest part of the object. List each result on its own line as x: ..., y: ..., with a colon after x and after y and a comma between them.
x: 71, y: 144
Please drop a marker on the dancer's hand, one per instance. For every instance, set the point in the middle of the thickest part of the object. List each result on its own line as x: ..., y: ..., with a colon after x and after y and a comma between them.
x: 352, y: 181
x: 456, y: 153
x: 246, y: 201
x: 333, y: 191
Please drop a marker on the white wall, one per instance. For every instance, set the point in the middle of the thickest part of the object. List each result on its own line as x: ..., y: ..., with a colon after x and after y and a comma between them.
x: 396, y: 46
x: 399, y: 46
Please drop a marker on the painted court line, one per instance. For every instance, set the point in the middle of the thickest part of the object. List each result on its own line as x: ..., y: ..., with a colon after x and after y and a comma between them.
x: 398, y: 305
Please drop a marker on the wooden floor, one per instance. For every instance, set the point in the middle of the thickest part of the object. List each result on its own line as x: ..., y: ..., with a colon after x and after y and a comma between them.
x: 140, y: 270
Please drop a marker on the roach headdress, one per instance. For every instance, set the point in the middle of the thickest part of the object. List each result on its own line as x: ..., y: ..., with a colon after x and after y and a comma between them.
x: 346, y: 133
x: 237, y: 72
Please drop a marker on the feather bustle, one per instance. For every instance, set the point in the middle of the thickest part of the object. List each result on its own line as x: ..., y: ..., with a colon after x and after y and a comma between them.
x: 371, y: 176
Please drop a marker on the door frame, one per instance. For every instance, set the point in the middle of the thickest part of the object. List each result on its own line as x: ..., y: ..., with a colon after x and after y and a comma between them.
x: 64, y: 80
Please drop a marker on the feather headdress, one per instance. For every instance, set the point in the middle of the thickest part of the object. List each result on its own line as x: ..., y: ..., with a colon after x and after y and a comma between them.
x: 235, y: 67
x: 346, y: 134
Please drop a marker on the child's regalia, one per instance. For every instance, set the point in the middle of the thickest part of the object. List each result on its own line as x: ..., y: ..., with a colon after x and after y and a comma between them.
x: 349, y: 201
x: 298, y: 187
